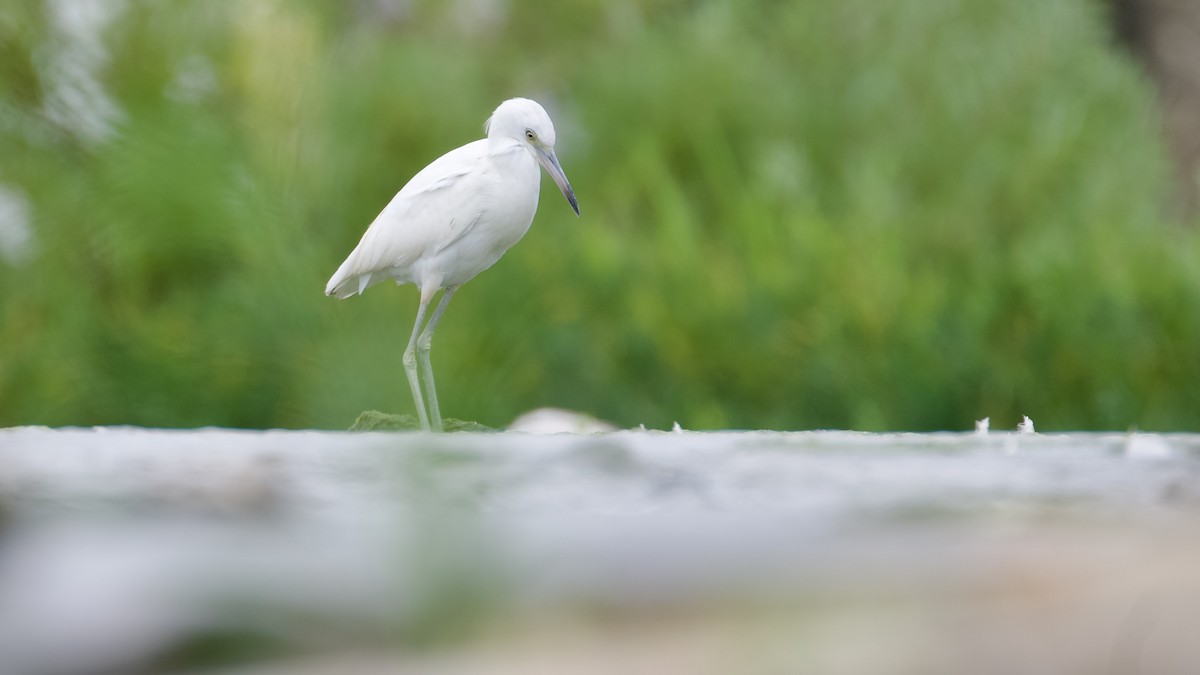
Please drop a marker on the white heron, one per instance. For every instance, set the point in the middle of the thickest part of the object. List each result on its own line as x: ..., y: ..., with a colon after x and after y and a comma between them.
x: 453, y: 220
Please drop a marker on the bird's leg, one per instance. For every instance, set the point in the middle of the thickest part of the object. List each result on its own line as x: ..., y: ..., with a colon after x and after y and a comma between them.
x: 410, y: 364
x: 423, y: 344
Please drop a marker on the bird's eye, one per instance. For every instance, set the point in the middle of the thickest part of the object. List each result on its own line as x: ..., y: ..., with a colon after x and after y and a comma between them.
x: 529, y: 134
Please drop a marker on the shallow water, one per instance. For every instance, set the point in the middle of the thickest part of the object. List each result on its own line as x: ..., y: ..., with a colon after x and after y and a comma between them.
x: 133, y: 550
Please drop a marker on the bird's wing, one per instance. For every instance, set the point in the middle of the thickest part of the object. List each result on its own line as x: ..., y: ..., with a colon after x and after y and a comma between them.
x: 458, y: 228
x: 436, y: 208
x: 447, y: 170
x: 431, y: 211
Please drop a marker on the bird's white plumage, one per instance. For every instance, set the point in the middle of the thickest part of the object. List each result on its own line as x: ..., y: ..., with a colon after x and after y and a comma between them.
x: 458, y: 215
x: 453, y: 220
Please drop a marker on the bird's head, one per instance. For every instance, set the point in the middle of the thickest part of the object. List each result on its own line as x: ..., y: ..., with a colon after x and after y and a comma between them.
x: 526, y: 122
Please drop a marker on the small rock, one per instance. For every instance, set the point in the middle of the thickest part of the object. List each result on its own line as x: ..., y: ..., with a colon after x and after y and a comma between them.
x: 1146, y: 446
x: 559, y: 421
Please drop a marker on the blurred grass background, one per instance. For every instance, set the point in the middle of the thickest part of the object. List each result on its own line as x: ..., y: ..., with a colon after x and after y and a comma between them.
x: 831, y: 213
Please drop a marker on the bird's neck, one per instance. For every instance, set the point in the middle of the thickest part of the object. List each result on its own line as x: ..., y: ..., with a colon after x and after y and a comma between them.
x: 507, y: 152
x: 500, y: 145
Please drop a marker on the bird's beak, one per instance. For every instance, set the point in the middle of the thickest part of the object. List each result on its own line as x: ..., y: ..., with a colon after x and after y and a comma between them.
x: 549, y: 162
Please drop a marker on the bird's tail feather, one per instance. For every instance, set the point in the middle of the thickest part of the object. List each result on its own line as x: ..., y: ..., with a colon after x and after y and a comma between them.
x: 344, y: 283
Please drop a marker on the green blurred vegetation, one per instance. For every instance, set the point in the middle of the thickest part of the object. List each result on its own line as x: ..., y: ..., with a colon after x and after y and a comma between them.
x: 831, y: 213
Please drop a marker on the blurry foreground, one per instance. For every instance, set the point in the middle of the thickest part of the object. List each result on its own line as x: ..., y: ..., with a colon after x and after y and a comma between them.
x: 263, y: 553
